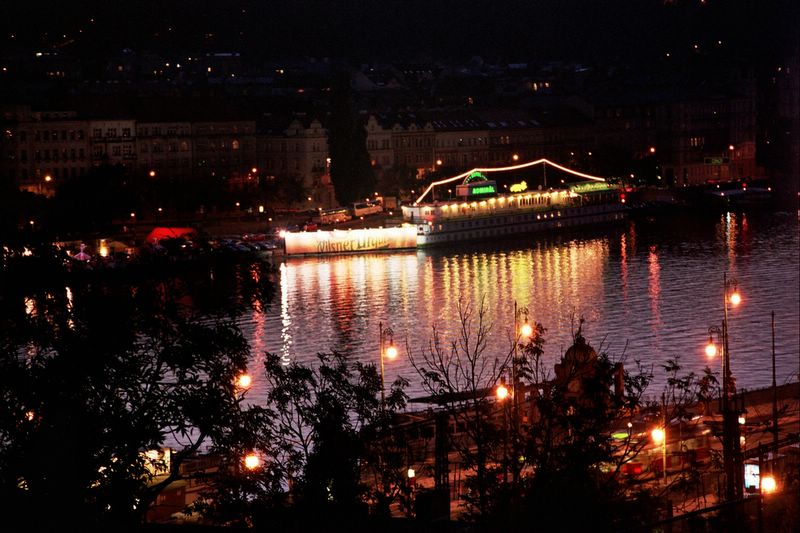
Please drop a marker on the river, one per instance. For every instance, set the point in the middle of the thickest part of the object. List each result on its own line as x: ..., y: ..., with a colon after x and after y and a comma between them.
x: 648, y: 289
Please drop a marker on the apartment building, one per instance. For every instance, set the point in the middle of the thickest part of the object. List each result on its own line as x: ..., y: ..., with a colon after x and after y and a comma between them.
x: 164, y: 149
x: 113, y: 142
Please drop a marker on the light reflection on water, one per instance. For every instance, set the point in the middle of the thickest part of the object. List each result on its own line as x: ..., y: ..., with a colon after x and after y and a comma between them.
x: 648, y: 290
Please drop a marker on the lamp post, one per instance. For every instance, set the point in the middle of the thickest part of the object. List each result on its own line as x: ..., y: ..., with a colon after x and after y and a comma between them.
x: 502, y: 393
x: 659, y: 436
x: 389, y: 351
x: 730, y: 422
x: 522, y: 330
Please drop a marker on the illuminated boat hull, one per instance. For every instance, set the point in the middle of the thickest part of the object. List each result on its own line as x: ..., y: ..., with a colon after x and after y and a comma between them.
x: 443, y: 223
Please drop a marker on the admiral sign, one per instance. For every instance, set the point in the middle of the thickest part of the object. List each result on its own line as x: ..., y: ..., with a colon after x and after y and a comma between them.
x: 349, y: 241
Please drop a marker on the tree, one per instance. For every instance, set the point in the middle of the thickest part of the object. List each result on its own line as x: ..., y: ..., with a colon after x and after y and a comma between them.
x: 571, y: 458
x: 351, y: 171
x: 461, y: 377
x: 327, y: 428
x: 548, y: 448
x: 87, y: 389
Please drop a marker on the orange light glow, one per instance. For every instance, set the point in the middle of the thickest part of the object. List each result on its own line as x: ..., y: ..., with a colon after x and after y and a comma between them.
x: 391, y: 351
x: 736, y: 298
x: 526, y: 330
x: 244, y: 381
x: 502, y: 392
x: 152, y: 173
x: 711, y: 350
x: 658, y: 435
x: 768, y: 484
x: 252, y: 461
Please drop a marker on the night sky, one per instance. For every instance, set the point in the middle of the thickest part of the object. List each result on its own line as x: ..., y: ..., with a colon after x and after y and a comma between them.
x: 511, y: 30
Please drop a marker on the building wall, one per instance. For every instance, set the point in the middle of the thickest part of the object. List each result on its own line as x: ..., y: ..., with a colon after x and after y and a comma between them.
x: 40, y: 149
x: 113, y: 142
x: 224, y: 148
x: 379, y: 144
x: 164, y: 148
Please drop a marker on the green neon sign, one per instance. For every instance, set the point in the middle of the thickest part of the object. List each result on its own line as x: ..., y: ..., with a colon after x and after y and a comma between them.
x: 590, y: 187
x: 475, y: 176
x: 485, y: 189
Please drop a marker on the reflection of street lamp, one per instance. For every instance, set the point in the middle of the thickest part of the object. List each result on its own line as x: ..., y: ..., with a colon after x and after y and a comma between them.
x: 389, y: 351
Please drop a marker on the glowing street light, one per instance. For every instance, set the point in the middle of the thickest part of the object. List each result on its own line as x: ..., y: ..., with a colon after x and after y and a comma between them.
x: 711, y: 349
x: 252, y: 461
x: 658, y: 435
x: 768, y: 484
x: 735, y: 298
x: 501, y: 392
x: 244, y: 381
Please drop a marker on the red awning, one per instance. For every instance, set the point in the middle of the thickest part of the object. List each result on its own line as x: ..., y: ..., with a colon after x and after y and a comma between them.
x: 159, y: 234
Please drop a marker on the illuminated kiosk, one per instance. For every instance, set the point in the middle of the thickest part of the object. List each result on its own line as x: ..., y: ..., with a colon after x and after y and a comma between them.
x: 480, y: 213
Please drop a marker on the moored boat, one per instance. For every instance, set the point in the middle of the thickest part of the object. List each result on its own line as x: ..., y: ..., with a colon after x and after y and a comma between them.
x: 479, y: 212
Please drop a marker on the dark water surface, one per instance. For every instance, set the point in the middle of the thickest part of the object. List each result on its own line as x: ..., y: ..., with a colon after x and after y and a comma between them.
x: 648, y: 289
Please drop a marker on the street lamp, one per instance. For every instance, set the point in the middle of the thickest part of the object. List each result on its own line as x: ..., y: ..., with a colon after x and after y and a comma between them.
x: 730, y: 424
x: 252, y: 461
x: 768, y: 485
x: 659, y: 436
x: 521, y: 331
x: 389, y: 351
x: 501, y: 392
x: 243, y: 381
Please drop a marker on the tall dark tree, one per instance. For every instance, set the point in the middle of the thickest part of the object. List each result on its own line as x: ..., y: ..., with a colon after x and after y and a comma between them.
x: 88, y: 387
x: 351, y: 171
